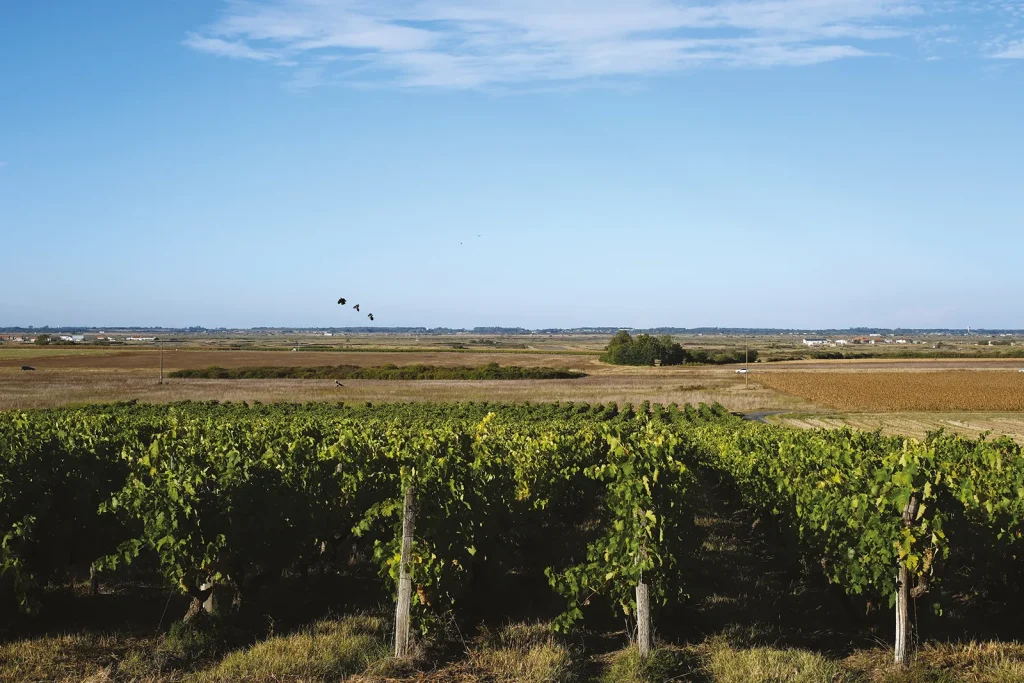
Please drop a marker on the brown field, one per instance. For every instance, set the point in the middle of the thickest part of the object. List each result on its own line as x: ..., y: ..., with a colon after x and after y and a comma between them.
x: 187, y: 359
x: 901, y: 391
x: 899, y: 396
x: 63, y: 379
x: 50, y: 388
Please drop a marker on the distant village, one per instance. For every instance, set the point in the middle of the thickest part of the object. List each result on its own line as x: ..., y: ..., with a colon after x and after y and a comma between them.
x: 100, y: 337
x: 875, y: 338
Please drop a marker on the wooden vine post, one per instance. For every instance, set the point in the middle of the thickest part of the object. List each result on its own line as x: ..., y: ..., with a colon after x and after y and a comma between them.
x: 643, y: 604
x: 403, y: 613
x: 903, y: 627
x: 643, y: 619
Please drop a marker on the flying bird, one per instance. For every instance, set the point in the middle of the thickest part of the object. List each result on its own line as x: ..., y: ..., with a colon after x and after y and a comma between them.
x: 338, y: 383
x: 356, y: 307
x: 370, y: 316
x: 341, y: 301
x: 27, y: 367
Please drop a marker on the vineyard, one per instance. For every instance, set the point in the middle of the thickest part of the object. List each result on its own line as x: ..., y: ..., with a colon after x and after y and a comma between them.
x: 592, y: 505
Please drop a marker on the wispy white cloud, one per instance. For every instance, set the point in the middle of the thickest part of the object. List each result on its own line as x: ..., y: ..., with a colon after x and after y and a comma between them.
x: 527, y: 43
x: 1012, y: 51
x: 228, y: 48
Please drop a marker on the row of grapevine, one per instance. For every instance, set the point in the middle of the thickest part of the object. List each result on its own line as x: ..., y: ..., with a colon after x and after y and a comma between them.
x: 881, y: 515
x: 219, y: 499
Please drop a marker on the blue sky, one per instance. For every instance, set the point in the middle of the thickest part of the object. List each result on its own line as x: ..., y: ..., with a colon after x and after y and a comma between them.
x: 784, y: 163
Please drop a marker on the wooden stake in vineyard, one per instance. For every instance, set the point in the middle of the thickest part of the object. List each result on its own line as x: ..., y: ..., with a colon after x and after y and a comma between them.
x: 903, y: 627
x: 403, y: 613
x: 643, y: 619
x: 643, y: 605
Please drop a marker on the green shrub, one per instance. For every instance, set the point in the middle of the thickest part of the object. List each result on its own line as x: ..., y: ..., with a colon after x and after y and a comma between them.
x: 645, y: 349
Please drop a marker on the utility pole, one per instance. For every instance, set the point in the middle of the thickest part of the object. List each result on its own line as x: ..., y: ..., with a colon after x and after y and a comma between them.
x: 746, y: 365
x: 161, y: 365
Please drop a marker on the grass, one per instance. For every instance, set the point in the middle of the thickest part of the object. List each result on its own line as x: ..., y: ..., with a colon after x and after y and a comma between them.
x: 916, y: 425
x: 524, y: 653
x: 969, y: 662
x: 723, y: 663
x: 355, y: 648
x: 662, y: 664
x: 329, y: 650
x: 67, y: 657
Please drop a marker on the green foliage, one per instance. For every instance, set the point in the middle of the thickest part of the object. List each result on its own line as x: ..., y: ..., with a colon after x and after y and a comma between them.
x: 390, y: 371
x: 645, y: 349
x: 642, y: 350
x: 233, y: 496
x: 645, y: 522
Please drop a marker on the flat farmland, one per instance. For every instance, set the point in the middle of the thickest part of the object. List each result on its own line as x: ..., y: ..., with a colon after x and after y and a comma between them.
x: 118, y: 375
x: 993, y: 389
x: 188, y: 359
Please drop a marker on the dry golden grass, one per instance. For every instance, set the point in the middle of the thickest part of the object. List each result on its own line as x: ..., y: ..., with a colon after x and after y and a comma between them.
x: 970, y: 662
x: 916, y: 425
x: 328, y: 651
x: 956, y: 390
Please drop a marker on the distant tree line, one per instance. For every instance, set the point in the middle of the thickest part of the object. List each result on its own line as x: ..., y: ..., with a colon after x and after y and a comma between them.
x: 645, y: 349
x: 406, y: 372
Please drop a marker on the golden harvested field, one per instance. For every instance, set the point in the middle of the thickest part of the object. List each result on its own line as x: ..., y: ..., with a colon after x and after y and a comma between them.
x: 949, y: 391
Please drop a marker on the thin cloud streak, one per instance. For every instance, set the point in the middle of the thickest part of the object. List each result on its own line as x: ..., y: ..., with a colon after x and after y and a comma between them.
x: 466, y: 44
x: 1012, y: 52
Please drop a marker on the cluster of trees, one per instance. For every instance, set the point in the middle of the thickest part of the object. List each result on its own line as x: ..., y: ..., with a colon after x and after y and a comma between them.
x: 645, y: 349
x: 390, y: 371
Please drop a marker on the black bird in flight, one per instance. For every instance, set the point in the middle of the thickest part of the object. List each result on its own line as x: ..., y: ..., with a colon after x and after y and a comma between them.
x: 338, y: 383
x: 27, y: 367
x: 370, y: 316
x: 356, y: 307
x: 341, y: 301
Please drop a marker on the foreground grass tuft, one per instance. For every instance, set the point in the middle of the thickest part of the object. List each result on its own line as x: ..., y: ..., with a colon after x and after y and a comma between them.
x: 526, y: 653
x: 71, y: 657
x: 328, y: 651
x: 945, y: 663
x: 663, y: 664
x: 725, y: 664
